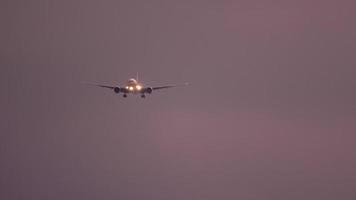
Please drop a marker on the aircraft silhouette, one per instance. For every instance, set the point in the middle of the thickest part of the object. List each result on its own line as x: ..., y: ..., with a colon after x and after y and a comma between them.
x: 133, y: 86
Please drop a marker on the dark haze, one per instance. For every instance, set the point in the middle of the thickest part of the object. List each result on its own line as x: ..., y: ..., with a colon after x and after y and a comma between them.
x: 270, y: 113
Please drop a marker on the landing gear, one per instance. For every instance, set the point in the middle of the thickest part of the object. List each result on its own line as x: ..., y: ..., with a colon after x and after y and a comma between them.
x: 143, y: 96
x: 125, y: 95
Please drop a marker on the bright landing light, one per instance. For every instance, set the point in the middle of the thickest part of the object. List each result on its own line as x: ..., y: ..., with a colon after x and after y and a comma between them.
x: 138, y: 87
x: 131, y: 88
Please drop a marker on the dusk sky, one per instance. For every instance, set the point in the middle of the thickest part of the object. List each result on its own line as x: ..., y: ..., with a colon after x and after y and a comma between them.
x: 270, y: 112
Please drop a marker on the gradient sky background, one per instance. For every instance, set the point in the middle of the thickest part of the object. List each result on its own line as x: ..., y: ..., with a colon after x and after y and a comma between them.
x: 270, y: 113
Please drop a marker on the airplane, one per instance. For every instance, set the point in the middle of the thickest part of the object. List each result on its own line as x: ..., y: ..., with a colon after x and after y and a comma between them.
x: 133, y: 86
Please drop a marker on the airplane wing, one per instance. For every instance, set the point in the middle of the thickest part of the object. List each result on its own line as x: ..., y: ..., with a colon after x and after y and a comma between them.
x: 168, y: 86
x: 100, y: 85
x: 105, y: 86
x: 162, y: 87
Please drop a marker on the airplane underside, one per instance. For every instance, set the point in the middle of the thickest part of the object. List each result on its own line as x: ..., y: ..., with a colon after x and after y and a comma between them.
x: 126, y: 91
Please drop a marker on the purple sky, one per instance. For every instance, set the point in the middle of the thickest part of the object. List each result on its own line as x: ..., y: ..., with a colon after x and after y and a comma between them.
x: 270, y: 113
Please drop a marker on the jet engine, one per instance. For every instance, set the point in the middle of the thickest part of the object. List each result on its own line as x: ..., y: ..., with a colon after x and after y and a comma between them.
x: 117, y: 90
x: 149, y: 90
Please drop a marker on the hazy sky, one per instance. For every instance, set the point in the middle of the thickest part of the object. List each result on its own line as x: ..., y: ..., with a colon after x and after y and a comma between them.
x: 270, y: 113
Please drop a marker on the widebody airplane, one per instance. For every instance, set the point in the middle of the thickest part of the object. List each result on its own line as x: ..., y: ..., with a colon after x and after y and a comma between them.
x: 134, y: 87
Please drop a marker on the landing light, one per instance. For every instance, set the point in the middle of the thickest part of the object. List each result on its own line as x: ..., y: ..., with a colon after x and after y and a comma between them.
x: 131, y: 88
x: 138, y: 87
